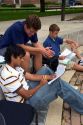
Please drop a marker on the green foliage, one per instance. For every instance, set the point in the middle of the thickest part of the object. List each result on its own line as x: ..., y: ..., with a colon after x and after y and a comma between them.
x: 7, y: 5
x: 52, y: 3
x: 23, y: 13
x: 28, y: 5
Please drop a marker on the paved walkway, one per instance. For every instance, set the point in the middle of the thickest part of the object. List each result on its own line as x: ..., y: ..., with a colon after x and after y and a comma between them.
x: 65, y: 26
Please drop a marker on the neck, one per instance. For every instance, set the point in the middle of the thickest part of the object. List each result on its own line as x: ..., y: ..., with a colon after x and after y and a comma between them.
x: 51, y: 36
x: 12, y: 65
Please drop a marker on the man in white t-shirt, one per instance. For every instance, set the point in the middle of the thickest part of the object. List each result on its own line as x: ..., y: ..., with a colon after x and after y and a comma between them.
x: 35, y: 91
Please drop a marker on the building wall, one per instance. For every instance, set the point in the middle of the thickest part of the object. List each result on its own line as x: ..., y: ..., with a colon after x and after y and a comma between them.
x: 29, y: 1
x: 32, y: 1
x: 8, y: 1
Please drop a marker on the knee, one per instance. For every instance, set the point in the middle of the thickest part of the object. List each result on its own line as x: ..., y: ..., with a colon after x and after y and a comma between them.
x: 27, y: 56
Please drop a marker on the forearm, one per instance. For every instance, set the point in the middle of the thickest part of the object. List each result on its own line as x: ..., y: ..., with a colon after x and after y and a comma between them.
x: 69, y: 41
x: 30, y: 49
x: 28, y: 93
x: 33, y: 77
x: 38, y: 45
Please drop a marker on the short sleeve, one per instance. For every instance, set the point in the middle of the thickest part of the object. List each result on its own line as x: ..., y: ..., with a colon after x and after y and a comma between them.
x: 34, y: 38
x: 17, y: 37
x: 60, y: 40
x: 46, y: 43
x: 12, y: 84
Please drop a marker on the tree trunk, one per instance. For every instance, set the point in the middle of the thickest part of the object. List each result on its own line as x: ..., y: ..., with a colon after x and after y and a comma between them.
x: 42, y: 5
x: 63, y: 10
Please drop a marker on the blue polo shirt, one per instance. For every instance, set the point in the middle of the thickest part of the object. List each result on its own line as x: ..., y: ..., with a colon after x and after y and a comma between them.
x: 15, y: 34
x: 54, y: 43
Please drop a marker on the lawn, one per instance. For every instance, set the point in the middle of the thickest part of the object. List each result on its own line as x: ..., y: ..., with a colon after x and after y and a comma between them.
x: 13, y: 14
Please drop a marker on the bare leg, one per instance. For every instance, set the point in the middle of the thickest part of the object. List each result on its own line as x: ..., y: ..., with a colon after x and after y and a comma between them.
x: 25, y: 63
x: 78, y: 67
x: 37, y: 60
x: 77, y: 54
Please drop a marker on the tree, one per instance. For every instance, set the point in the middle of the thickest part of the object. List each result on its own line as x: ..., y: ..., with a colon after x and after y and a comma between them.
x: 42, y: 5
x: 63, y: 10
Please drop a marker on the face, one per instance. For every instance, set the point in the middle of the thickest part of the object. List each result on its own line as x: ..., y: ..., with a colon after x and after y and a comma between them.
x: 29, y: 31
x: 54, y: 34
x: 17, y: 61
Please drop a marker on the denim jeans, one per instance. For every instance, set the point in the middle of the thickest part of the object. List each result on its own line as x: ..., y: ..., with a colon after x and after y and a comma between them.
x: 48, y: 93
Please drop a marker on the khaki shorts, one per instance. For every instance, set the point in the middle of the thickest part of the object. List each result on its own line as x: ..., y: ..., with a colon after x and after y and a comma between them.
x: 70, y: 65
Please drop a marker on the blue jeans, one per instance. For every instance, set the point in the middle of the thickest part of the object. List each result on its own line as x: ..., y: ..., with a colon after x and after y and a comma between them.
x: 48, y: 93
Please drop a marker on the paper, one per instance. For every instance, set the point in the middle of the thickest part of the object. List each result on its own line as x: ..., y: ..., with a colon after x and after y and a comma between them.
x: 2, y: 60
x: 59, y: 72
x: 69, y: 56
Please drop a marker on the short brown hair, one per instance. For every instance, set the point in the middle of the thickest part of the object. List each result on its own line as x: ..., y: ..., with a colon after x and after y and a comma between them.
x: 33, y: 21
x: 54, y: 27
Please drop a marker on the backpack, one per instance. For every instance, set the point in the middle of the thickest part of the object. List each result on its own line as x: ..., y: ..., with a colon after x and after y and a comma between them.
x: 51, y: 62
x: 14, y: 113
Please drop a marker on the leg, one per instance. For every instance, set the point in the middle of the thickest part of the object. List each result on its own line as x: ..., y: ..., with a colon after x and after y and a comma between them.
x: 58, y: 88
x: 37, y: 60
x: 77, y: 53
x: 77, y: 67
x: 43, y: 70
x: 25, y: 63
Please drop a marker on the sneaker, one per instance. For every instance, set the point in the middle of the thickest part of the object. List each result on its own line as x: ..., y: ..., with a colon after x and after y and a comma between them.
x: 80, y: 62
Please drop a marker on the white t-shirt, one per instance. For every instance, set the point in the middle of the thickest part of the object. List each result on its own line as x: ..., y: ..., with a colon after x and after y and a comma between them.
x: 12, y: 80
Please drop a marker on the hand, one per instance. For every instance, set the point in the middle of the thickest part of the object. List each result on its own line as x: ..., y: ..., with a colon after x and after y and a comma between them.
x: 43, y: 82
x: 46, y: 78
x: 49, y: 77
x: 47, y: 52
x: 74, y: 46
x: 62, y: 57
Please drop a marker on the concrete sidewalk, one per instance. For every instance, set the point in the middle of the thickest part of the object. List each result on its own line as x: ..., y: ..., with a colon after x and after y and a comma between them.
x: 65, y: 26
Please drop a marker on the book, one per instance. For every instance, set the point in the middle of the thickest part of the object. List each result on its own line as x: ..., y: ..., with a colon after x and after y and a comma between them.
x: 69, y: 56
x: 60, y: 71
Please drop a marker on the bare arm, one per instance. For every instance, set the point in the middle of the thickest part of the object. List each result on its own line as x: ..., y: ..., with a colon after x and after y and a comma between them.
x: 71, y: 42
x: 30, y: 49
x: 36, y: 77
x: 28, y: 93
x: 47, y: 52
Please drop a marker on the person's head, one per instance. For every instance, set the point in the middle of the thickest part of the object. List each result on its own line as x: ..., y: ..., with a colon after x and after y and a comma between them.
x: 54, y: 30
x: 14, y: 55
x: 32, y: 25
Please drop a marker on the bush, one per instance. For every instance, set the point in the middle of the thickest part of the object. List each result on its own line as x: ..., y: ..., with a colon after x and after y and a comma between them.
x: 28, y: 5
x: 7, y: 5
x: 53, y: 3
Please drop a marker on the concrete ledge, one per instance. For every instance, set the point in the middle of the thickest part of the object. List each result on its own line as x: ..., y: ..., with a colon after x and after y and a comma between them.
x: 54, y: 115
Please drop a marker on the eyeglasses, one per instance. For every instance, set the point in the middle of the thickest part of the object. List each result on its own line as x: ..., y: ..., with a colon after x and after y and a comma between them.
x: 31, y: 31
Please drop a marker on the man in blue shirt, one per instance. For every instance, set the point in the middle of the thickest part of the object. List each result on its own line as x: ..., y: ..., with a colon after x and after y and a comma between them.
x: 54, y: 41
x: 22, y: 32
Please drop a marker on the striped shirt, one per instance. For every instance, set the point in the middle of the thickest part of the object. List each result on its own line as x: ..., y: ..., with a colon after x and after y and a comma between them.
x: 12, y: 80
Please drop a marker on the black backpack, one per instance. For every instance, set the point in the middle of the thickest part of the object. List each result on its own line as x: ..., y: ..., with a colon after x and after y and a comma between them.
x: 13, y: 113
x: 51, y: 62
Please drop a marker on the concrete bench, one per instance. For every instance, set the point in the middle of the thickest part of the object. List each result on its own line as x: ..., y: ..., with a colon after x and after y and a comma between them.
x: 54, y: 115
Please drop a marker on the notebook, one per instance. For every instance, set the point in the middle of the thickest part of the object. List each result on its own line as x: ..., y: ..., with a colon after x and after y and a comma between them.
x: 60, y: 71
x: 69, y: 56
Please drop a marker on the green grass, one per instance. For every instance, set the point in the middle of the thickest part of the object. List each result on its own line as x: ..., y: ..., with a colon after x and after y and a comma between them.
x: 23, y: 13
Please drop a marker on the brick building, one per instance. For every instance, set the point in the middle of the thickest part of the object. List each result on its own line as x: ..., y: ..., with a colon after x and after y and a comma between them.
x: 30, y: 1
x: 26, y: 1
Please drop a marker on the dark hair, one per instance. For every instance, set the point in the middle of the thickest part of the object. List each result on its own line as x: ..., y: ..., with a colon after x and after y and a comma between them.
x: 33, y: 21
x: 14, y: 51
x: 54, y: 27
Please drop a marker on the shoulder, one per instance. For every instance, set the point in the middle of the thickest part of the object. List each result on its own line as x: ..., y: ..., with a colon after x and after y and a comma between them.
x: 17, y: 26
x: 59, y: 39
x: 47, y: 40
x: 8, y: 72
